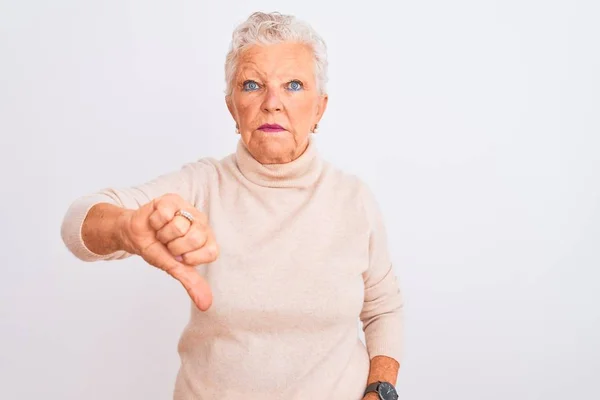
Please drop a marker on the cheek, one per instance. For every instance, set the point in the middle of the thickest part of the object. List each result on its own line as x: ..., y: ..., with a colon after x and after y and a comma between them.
x: 247, y: 109
x: 301, y: 111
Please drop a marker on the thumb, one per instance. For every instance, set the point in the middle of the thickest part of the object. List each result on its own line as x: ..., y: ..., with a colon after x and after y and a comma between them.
x: 198, y: 289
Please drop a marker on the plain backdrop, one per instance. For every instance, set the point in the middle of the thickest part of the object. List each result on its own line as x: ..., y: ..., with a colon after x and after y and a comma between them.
x: 476, y: 123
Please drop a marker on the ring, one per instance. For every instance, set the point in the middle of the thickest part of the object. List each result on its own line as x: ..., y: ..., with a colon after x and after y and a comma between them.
x: 185, y: 215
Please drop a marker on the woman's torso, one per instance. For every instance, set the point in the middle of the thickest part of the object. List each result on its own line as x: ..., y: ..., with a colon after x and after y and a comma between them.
x: 287, y: 292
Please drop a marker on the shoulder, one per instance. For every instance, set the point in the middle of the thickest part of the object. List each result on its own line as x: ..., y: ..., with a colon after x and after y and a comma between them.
x: 350, y: 188
x: 206, y: 164
x: 339, y: 180
x: 212, y: 172
x: 346, y: 181
x: 203, y: 167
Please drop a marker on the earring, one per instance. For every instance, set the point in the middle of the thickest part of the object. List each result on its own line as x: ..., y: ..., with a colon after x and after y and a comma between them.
x: 316, y: 129
x: 237, y: 129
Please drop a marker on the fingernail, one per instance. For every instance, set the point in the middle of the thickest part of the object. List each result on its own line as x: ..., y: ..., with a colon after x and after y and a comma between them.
x: 179, y: 258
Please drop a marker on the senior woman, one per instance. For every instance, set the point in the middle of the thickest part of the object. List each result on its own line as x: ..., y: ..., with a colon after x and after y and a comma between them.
x: 281, y: 252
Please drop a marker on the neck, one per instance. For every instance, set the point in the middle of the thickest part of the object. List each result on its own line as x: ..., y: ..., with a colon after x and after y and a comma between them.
x: 300, y: 172
x: 284, y: 158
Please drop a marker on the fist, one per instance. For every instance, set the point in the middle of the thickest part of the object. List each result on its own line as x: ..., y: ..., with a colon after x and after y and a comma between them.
x: 169, y: 241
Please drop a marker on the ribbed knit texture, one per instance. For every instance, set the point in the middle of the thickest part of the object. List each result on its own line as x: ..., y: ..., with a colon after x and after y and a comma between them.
x: 304, y: 257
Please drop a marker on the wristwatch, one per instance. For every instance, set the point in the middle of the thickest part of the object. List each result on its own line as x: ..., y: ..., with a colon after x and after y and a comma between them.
x: 385, y: 390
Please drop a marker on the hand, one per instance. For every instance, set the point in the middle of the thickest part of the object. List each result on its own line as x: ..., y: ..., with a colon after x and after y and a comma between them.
x: 172, y: 243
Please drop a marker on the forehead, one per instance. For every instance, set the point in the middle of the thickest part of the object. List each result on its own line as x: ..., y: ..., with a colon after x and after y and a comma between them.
x: 277, y: 59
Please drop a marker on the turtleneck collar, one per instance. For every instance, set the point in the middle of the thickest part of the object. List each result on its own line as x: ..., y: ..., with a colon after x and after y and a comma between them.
x: 299, y: 173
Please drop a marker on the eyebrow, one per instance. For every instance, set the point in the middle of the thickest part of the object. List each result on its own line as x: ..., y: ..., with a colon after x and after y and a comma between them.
x: 245, y: 73
x: 247, y: 70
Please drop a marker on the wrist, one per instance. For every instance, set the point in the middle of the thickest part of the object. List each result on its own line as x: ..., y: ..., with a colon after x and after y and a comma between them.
x: 120, y: 231
x: 380, y: 390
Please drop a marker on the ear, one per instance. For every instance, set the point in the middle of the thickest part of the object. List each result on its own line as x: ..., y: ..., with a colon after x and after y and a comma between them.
x: 230, y: 107
x: 321, y: 107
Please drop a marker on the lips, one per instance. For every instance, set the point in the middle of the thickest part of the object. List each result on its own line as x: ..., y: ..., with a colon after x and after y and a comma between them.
x: 271, y: 128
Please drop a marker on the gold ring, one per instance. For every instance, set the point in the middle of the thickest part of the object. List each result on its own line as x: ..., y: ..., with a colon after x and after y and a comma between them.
x: 185, y: 215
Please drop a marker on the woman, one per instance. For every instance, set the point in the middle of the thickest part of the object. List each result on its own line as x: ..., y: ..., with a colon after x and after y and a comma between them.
x: 280, y: 252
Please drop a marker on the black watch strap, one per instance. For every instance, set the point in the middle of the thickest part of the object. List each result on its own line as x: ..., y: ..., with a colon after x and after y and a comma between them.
x: 372, y: 388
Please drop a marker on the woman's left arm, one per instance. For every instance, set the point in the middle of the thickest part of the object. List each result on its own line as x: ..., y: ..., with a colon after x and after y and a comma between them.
x: 383, y: 369
x: 381, y: 314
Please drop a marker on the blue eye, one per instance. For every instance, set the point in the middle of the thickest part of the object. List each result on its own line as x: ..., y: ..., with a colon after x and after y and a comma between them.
x: 295, y: 86
x: 250, y: 86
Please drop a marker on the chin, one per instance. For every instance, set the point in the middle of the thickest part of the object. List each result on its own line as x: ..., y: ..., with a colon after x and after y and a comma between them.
x: 274, y: 151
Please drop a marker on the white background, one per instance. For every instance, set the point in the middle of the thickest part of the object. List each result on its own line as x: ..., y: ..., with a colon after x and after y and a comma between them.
x: 475, y: 122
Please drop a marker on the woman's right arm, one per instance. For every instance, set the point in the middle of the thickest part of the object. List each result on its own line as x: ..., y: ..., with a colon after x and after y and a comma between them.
x: 101, y: 231
x: 91, y: 227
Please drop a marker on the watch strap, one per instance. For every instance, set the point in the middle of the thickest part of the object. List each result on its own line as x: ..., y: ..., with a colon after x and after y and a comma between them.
x: 372, y: 388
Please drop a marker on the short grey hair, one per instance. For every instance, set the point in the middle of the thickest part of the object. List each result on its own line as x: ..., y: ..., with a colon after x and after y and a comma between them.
x: 272, y: 28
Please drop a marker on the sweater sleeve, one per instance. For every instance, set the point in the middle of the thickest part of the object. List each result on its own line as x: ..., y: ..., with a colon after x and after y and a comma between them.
x: 382, y: 312
x: 189, y: 182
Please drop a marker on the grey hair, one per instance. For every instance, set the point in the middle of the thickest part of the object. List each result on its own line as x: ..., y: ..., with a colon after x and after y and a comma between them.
x: 272, y: 28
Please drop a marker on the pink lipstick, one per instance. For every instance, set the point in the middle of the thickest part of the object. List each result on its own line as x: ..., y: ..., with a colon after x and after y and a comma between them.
x: 271, y: 128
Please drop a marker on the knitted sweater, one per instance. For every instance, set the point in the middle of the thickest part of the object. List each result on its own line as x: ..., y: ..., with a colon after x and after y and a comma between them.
x: 303, y: 258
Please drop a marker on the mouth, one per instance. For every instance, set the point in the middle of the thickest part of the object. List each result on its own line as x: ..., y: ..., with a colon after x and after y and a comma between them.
x: 271, y: 128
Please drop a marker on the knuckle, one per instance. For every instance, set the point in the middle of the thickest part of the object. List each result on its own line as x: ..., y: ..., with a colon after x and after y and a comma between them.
x: 197, y: 238
x: 163, y: 213
x: 180, y: 227
x: 160, y: 236
x: 212, y: 251
x: 154, y: 221
x: 172, y: 247
x: 191, y: 259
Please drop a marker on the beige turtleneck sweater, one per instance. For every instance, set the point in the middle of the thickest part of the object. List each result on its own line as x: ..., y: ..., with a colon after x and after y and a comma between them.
x: 304, y: 256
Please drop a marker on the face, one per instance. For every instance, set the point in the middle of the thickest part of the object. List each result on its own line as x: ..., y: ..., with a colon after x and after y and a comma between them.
x: 275, y: 101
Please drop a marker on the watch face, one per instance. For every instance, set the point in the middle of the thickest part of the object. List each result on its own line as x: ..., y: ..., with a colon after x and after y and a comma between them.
x: 387, y: 391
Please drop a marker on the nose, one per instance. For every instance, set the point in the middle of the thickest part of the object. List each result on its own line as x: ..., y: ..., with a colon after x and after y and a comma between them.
x: 272, y: 102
